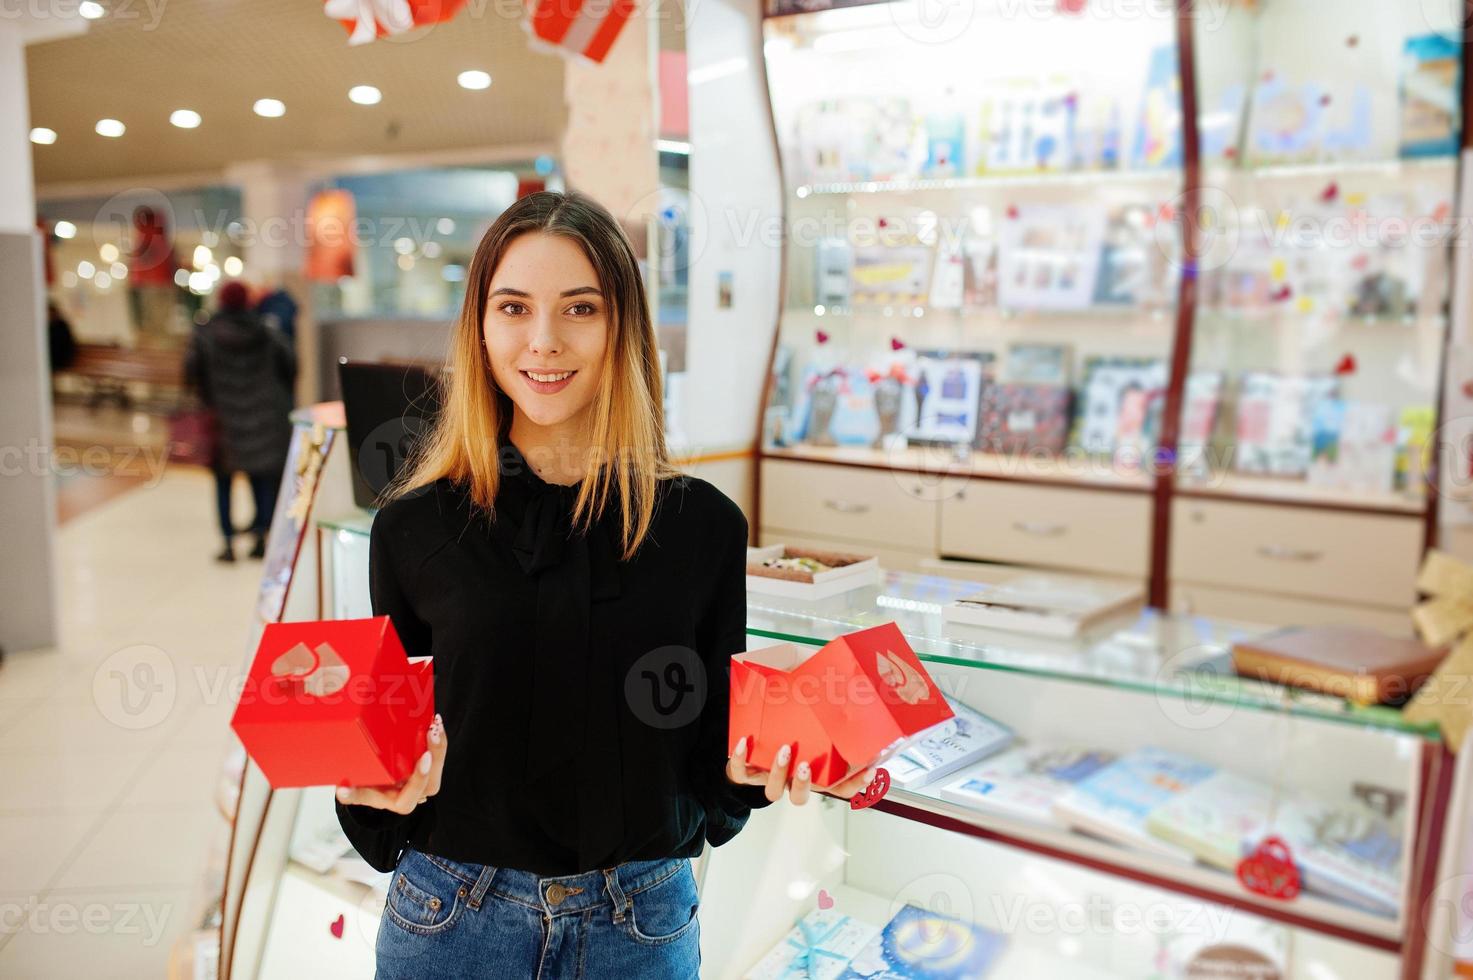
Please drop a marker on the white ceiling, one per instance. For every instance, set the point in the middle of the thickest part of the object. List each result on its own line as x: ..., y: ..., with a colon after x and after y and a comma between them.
x: 217, y: 57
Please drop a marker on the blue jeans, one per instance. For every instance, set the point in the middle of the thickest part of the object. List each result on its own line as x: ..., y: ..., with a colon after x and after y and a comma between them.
x: 447, y: 919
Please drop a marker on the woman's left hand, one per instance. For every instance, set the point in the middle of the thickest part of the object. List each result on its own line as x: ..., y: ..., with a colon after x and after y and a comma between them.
x: 776, y: 780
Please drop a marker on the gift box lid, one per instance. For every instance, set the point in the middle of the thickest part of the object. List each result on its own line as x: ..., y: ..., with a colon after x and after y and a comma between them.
x: 326, y: 671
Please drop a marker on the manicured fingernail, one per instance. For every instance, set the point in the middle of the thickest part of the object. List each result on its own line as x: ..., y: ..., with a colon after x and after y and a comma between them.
x: 343, y: 794
x: 803, y: 771
x: 784, y: 754
x: 424, y: 763
x: 741, y: 748
x: 435, y: 734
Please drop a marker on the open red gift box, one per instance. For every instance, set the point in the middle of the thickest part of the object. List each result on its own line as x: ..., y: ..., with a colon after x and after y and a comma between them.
x: 853, y: 703
x: 335, y: 703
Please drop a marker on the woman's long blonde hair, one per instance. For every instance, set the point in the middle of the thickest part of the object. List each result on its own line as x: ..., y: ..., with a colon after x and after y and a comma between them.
x: 626, y: 420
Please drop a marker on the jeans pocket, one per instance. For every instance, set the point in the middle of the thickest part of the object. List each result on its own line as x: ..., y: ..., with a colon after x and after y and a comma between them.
x: 665, y: 911
x: 424, y: 897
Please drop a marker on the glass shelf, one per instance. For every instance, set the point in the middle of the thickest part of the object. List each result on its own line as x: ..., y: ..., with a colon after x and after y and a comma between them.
x: 1169, y: 655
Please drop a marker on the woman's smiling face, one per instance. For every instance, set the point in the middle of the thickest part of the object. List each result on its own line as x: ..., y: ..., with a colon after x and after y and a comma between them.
x: 546, y: 328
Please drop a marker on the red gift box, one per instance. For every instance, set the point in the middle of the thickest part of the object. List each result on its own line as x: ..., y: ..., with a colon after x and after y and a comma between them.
x: 853, y: 703
x: 335, y: 703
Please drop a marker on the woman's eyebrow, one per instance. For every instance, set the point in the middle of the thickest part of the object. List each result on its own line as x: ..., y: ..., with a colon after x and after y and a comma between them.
x: 575, y: 291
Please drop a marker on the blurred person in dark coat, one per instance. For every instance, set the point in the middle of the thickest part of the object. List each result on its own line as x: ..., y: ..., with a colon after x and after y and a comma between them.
x: 245, y: 371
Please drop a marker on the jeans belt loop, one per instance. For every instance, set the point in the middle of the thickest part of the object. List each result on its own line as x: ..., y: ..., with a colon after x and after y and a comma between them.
x: 621, y: 901
x: 482, y: 885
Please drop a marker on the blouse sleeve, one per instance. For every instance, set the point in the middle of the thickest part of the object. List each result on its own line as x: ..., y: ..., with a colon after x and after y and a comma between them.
x: 722, y: 632
x: 381, y: 835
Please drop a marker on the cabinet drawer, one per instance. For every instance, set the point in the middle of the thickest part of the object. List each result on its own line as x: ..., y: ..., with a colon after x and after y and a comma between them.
x: 1057, y: 527
x: 850, y: 503
x: 1297, y: 551
x: 1270, y: 610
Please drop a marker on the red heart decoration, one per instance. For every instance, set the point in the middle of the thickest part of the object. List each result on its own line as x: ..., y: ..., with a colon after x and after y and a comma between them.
x: 1352, y: 41
x: 1360, y: 262
x: 897, y: 344
x: 873, y: 793
x: 1231, y: 152
x: 1331, y: 191
x: 1468, y: 389
x: 822, y: 337
x: 1442, y: 212
x: 337, y: 927
x: 1012, y: 212
x: 883, y: 223
x: 1281, y: 294
x: 1270, y: 870
x: 825, y: 900
x: 1325, y: 99
x: 1346, y: 366
x: 1071, y: 6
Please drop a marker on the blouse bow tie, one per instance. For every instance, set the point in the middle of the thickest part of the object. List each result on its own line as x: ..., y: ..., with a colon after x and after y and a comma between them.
x: 574, y: 710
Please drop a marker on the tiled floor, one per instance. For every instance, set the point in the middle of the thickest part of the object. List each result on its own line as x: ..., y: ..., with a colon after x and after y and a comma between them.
x: 111, y: 744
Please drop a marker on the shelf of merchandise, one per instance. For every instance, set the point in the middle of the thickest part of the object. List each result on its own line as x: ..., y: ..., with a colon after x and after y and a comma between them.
x: 1143, y: 664
x: 1404, y: 347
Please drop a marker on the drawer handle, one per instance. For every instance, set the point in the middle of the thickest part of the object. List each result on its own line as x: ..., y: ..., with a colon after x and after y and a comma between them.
x: 845, y: 507
x: 1279, y: 552
x: 1040, y: 530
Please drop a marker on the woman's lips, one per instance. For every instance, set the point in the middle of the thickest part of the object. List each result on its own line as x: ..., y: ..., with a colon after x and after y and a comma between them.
x: 548, y: 387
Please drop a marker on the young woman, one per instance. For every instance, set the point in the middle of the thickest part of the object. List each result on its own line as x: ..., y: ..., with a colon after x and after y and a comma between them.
x: 581, y: 600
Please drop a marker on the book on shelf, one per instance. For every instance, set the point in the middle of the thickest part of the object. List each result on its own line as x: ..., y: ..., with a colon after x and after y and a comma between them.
x: 1030, y: 363
x: 1275, y: 417
x: 1023, y: 418
x: 1430, y: 101
x: 1113, y: 803
x: 1361, y: 665
x: 968, y: 737
x: 1023, y: 782
x: 917, y: 944
x: 1099, y: 409
x: 1049, y: 256
x: 890, y: 275
x: 1343, y: 851
x: 1043, y: 603
x: 948, y: 393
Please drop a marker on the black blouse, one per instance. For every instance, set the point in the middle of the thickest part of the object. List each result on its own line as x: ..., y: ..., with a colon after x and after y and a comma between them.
x: 585, y: 697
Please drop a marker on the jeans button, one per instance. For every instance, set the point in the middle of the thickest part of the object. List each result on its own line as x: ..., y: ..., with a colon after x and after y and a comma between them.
x: 556, y: 892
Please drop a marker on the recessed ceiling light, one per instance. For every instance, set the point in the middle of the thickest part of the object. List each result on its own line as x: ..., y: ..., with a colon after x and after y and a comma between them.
x: 364, y: 95
x: 234, y: 266
x: 110, y: 128
x: 270, y: 108
x: 65, y: 229
x: 474, y: 80
x: 108, y: 251
x: 184, y: 118
x: 91, y: 10
x: 43, y: 136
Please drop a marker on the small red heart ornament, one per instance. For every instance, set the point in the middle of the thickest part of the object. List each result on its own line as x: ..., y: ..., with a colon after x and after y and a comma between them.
x: 1331, y: 192
x: 1012, y: 212
x: 873, y: 793
x: 1468, y: 389
x: 825, y: 900
x: 897, y: 344
x: 1347, y: 365
x: 337, y: 927
x: 821, y: 337
x: 1281, y: 294
x: 1270, y: 870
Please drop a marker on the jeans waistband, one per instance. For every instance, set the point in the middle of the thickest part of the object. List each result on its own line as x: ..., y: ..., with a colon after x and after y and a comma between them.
x: 560, y: 894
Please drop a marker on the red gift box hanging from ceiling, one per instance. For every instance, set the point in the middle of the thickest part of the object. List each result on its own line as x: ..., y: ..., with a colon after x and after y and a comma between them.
x: 367, y: 20
x: 578, y: 27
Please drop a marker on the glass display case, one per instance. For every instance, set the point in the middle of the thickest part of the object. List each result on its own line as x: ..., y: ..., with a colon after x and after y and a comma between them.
x: 983, y: 300
x: 974, y: 250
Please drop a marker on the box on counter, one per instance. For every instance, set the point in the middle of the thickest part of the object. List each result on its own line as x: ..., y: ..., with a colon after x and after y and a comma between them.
x: 819, y: 948
x: 335, y: 703
x: 921, y: 945
x: 852, y: 703
x: 808, y: 573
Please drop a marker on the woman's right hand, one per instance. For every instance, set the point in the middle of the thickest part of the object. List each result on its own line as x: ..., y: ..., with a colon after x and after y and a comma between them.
x: 423, y: 783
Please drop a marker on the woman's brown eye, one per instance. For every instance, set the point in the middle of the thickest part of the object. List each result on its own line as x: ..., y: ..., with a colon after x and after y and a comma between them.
x: 582, y: 309
x: 512, y: 309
